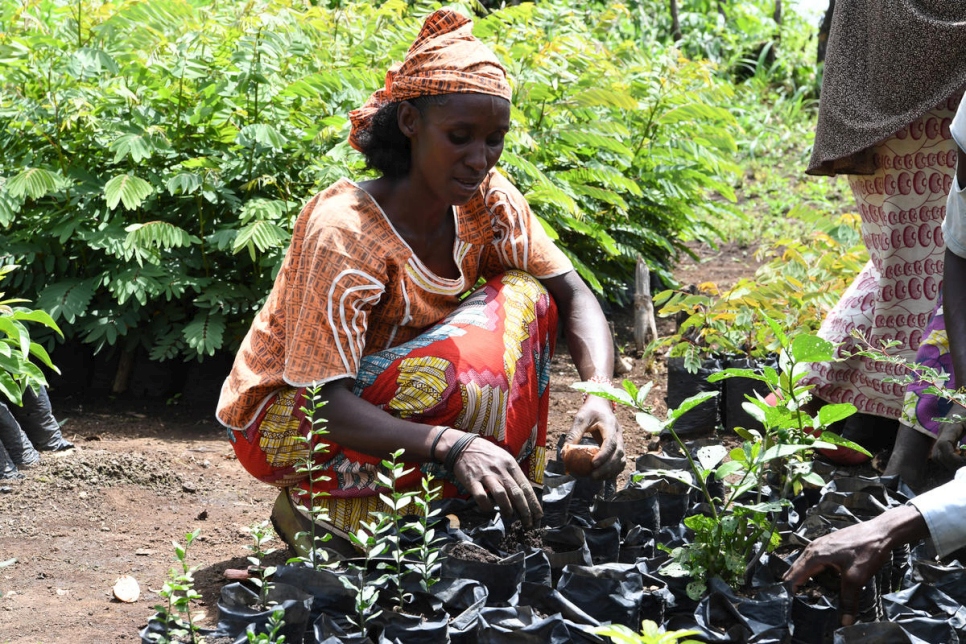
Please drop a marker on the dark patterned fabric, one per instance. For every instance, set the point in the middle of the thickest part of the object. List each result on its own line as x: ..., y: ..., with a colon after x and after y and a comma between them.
x: 888, y: 62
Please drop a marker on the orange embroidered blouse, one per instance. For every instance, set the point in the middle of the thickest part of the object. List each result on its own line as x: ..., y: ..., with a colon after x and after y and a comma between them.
x: 350, y: 286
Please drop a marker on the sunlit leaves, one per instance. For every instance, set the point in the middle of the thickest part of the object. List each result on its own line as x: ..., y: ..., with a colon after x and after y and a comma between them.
x: 159, y: 235
x: 204, y: 333
x: 34, y: 183
x: 127, y: 189
x: 67, y: 299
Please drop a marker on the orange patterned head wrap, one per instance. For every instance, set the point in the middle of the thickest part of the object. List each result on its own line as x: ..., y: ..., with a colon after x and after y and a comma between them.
x: 446, y: 58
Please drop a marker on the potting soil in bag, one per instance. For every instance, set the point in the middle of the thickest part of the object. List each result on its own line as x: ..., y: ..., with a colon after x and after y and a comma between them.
x: 421, y: 620
x: 501, y: 578
x: 927, y: 613
x: 567, y: 545
x: 604, y: 541
x: 813, y: 620
x: 681, y: 384
x: 464, y: 599
x: 518, y: 625
x: 608, y: 593
x: 948, y: 579
x: 557, y: 492
x: 761, y: 618
x: 37, y: 421
x: 673, y: 493
x: 18, y: 446
x: 240, y: 606
x: 548, y: 601
x: 638, y: 544
x: 633, y: 506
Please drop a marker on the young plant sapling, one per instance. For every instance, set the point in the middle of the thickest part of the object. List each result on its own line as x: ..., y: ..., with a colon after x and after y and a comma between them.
x: 316, y: 555
x: 260, y: 575
x: 424, y: 557
x: 276, y: 622
x: 391, y: 536
x: 366, y: 589
x: 730, y: 539
x: 178, y: 592
x: 651, y: 633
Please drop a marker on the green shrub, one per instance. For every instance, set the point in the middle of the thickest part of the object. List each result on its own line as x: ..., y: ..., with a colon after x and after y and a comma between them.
x: 156, y: 152
x: 17, y: 350
x: 797, y: 286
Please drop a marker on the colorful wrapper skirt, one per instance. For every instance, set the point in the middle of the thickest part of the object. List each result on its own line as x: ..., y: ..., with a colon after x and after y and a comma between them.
x: 485, y: 369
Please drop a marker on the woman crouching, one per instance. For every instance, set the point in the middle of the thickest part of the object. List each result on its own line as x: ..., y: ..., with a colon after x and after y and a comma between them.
x: 423, y: 305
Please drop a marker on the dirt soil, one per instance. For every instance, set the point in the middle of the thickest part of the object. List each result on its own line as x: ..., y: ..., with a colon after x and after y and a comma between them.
x: 146, y: 473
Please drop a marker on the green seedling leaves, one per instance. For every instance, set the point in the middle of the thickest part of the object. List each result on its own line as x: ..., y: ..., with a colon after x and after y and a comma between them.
x: 811, y: 348
x: 729, y: 468
x: 784, y: 450
x: 648, y: 422
x: 832, y: 413
x: 710, y: 455
x: 830, y: 439
x: 725, y: 374
x: 603, y: 390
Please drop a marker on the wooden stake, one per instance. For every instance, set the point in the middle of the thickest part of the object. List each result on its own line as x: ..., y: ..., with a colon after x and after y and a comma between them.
x: 645, y: 324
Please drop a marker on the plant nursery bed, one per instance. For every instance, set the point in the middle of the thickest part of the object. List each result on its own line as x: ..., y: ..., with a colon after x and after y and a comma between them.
x: 146, y: 472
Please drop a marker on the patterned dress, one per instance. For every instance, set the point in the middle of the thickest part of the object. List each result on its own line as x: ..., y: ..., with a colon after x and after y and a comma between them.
x: 353, y: 301
x: 896, y: 296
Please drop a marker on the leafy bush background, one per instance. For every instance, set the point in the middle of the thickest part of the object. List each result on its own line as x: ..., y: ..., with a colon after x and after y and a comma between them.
x: 154, y: 153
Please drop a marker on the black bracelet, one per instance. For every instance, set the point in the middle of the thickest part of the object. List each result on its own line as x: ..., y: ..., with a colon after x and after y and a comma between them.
x: 457, y: 450
x: 432, y: 449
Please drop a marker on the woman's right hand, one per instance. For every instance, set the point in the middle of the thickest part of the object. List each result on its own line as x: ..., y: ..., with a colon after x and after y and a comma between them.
x: 494, y: 478
x: 946, y: 449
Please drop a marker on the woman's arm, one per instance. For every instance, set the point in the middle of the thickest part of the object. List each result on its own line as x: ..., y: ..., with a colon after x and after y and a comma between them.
x: 592, y: 350
x: 488, y: 472
x: 946, y: 448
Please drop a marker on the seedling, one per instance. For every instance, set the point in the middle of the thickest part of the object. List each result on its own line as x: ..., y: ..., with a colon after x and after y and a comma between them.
x: 316, y: 447
x: 178, y: 592
x: 425, y: 556
x: 382, y: 538
x: 650, y: 633
x: 367, y: 538
x: 261, y: 534
x: 275, y: 623
x: 730, y: 539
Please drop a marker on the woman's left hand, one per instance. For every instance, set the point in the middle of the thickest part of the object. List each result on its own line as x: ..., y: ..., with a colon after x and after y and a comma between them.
x: 596, y: 416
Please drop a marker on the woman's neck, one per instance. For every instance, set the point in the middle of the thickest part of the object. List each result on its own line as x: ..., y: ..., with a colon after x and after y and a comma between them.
x: 407, y: 208
x: 430, y: 231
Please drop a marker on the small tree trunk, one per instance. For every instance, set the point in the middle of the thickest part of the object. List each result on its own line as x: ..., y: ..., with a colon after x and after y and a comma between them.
x: 123, y: 374
x: 645, y: 325
x: 777, y: 16
x: 675, y: 21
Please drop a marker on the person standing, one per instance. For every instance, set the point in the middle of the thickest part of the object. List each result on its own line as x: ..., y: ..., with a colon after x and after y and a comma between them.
x: 891, y: 86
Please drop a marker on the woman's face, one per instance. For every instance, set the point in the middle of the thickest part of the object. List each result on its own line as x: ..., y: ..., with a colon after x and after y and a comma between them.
x: 455, y: 143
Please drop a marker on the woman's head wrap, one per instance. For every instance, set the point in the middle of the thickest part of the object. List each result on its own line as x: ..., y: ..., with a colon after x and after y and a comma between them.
x: 446, y: 58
